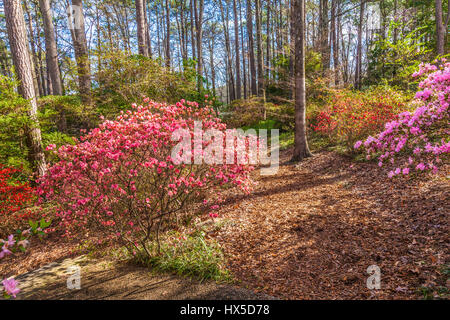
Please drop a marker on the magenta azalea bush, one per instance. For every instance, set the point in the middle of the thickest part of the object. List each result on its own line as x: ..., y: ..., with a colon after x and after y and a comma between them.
x: 417, y: 141
x: 120, y: 180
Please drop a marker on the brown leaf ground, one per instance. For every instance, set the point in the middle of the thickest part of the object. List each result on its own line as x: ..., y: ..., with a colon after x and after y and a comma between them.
x: 311, y: 231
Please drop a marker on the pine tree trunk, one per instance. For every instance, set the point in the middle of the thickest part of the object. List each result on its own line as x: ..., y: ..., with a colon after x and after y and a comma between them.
x: 50, y: 47
x: 334, y: 41
x: 440, y: 29
x: 259, y: 52
x: 359, y: 47
x: 167, y: 51
x: 81, y: 52
x: 141, y: 28
x: 301, y: 149
x: 231, y: 86
x: 147, y: 31
x: 198, y: 13
x: 236, y: 44
x: 324, y: 44
x: 244, y: 70
x: 34, y: 60
x: 251, y: 50
x: 15, y: 24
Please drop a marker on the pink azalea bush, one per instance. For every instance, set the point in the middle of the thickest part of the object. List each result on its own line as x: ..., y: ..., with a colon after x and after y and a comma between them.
x: 417, y: 141
x: 121, y: 182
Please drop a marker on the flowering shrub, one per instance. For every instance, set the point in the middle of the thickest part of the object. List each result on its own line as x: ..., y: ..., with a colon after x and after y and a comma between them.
x: 417, y: 140
x: 354, y: 115
x: 120, y: 179
x: 13, y: 195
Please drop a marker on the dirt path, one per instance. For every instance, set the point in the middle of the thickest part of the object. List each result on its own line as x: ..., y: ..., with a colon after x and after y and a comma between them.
x: 312, y: 230
x: 104, y: 279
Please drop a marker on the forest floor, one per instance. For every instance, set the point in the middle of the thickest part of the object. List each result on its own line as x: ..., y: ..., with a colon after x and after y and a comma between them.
x: 308, y: 232
x: 312, y: 230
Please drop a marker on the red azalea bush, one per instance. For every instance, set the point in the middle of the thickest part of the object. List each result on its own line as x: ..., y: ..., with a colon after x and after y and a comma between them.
x: 350, y: 116
x: 14, y: 196
x: 121, y: 181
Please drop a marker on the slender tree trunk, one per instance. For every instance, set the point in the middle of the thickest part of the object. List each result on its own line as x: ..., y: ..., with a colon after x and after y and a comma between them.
x: 324, y: 45
x: 183, y: 32
x: 191, y: 12
x: 211, y: 59
x: 267, y: 65
x: 141, y: 28
x: 36, y: 77
x: 334, y: 41
x: 236, y: 44
x: 198, y: 13
x: 251, y: 50
x: 244, y: 71
x: 147, y: 30
x: 359, y: 47
x: 15, y: 25
x: 301, y: 149
x: 81, y: 51
x: 50, y: 47
x: 440, y: 28
x: 259, y: 52
x: 231, y: 86
x: 167, y: 54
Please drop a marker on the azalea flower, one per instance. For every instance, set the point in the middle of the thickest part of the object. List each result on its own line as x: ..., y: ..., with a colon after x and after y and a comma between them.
x: 4, y: 252
x: 10, y: 287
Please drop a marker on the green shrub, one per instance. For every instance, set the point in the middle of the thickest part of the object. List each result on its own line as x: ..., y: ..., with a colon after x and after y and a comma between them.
x: 125, y: 79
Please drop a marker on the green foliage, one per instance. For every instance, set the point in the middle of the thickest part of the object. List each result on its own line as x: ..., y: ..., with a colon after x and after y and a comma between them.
x: 190, y: 255
x: 279, y: 89
x: 244, y: 112
x: 125, y: 79
x: 14, y: 121
x: 393, y: 63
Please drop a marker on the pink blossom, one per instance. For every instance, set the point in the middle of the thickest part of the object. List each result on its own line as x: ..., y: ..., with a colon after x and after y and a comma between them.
x: 10, y: 287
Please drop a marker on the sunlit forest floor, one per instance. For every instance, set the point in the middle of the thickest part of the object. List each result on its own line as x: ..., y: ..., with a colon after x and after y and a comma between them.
x: 312, y: 230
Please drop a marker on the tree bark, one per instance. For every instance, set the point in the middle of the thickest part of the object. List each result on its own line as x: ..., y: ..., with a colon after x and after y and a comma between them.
x: 324, y: 44
x: 141, y: 28
x: 440, y: 28
x: 251, y: 50
x: 259, y: 52
x: 81, y: 52
x: 167, y: 51
x: 198, y: 13
x: 147, y: 31
x: 34, y: 60
x: 50, y: 47
x: 231, y: 86
x: 359, y: 47
x: 334, y: 41
x: 15, y: 24
x: 236, y: 44
x: 301, y: 149
x: 244, y: 71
